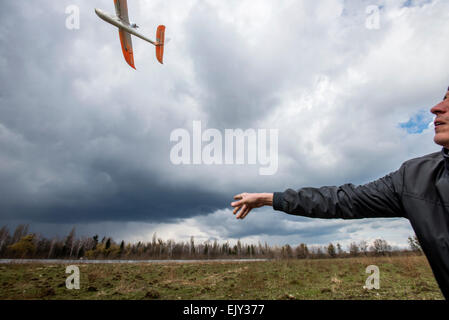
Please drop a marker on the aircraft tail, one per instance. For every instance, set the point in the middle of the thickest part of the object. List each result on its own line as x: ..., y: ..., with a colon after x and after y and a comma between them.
x: 160, y: 40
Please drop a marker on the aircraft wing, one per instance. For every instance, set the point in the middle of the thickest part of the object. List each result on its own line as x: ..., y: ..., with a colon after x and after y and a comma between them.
x: 121, y: 10
x: 127, y: 46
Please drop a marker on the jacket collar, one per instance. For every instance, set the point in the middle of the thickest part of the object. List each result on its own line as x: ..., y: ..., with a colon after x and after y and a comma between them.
x: 446, y: 157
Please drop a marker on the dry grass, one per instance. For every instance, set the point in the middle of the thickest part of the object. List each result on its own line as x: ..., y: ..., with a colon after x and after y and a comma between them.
x: 400, y: 278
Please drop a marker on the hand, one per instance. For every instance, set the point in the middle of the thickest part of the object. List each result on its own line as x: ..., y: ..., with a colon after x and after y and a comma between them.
x: 249, y: 201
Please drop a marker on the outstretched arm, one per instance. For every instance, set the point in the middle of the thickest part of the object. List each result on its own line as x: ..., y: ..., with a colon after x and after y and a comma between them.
x: 381, y: 198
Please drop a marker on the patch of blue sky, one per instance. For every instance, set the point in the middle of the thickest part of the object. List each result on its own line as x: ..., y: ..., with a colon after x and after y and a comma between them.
x: 418, y: 122
x: 408, y: 3
x: 415, y: 3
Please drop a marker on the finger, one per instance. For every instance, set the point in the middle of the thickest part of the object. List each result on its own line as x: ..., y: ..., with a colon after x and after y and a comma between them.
x: 239, y: 216
x: 244, y: 214
x: 245, y: 208
x: 236, y: 210
x: 240, y: 213
x: 237, y: 203
x: 239, y: 196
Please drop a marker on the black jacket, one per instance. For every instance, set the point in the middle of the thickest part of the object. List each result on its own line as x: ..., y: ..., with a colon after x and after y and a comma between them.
x: 418, y: 191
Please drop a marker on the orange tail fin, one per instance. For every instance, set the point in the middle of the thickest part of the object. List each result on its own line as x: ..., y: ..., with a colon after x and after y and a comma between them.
x: 160, y: 38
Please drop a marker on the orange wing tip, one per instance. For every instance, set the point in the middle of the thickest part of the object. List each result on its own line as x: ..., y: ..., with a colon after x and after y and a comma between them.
x: 160, y: 38
x: 127, y: 52
x: 130, y: 60
x: 131, y: 63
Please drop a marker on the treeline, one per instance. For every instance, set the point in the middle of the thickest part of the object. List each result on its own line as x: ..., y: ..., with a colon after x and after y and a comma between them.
x: 24, y: 245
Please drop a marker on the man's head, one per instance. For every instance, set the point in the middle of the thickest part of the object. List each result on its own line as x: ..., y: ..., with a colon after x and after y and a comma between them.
x: 441, y: 111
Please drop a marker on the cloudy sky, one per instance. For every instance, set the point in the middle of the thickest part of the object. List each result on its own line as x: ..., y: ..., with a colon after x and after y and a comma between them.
x: 85, y: 139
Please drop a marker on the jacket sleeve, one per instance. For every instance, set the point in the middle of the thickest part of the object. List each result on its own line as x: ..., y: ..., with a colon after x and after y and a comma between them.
x: 381, y: 198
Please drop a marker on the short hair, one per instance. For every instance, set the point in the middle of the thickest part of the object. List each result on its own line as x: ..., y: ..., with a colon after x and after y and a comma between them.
x: 446, y: 96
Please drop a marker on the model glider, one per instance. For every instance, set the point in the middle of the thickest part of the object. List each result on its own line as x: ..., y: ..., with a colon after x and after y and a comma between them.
x: 121, y: 21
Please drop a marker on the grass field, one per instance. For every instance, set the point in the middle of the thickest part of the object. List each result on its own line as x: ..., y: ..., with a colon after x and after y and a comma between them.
x: 400, y: 278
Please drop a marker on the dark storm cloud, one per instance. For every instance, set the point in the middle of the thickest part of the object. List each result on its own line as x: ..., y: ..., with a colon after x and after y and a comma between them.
x: 238, y: 87
x: 67, y: 160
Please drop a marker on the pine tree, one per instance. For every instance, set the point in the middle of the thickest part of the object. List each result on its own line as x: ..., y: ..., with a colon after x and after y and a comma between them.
x: 108, y: 244
x: 339, y: 250
x: 331, y: 250
x: 95, y: 238
x: 192, y: 246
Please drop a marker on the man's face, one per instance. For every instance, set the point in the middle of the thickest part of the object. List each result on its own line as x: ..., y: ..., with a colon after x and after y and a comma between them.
x: 441, y: 111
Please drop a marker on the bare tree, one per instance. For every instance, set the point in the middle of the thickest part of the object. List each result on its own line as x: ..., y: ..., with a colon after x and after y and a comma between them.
x: 380, y: 247
x: 52, y: 247
x: 4, y: 235
x: 301, y: 251
x: 80, y: 247
x: 287, y: 251
x: 69, y: 243
x: 215, y: 248
x: 20, y: 232
x: 354, y: 249
x: 414, y: 244
x: 363, y: 245
x: 339, y: 250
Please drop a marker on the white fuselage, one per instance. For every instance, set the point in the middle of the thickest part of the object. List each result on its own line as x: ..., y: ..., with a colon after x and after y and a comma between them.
x: 114, y: 20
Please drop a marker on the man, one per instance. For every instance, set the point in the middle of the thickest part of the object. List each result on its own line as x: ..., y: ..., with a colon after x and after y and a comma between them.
x: 418, y: 191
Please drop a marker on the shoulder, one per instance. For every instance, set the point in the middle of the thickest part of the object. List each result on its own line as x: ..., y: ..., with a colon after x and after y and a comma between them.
x: 419, y: 174
x: 430, y: 159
